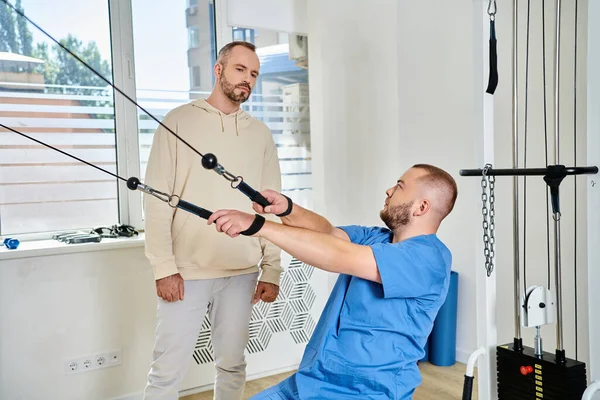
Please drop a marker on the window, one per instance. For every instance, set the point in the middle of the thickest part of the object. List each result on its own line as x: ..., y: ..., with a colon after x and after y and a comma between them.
x: 283, y: 37
x: 195, y: 77
x: 280, y: 100
x: 50, y: 96
x: 243, y: 35
x: 176, y: 75
x: 193, y: 37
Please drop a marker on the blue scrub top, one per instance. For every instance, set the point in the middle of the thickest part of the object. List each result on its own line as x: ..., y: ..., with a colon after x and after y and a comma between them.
x: 370, y: 335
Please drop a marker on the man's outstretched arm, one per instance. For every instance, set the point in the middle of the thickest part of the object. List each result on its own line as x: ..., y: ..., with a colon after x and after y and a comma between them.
x: 322, y: 250
x: 297, y: 216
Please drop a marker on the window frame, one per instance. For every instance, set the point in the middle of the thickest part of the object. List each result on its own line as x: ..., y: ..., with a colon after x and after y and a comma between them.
x: 126, y: 120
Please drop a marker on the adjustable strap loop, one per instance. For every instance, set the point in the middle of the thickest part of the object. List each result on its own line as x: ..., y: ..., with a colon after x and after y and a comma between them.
x: 289, y: 209
x: 256, y: 226
x: 493, y: 77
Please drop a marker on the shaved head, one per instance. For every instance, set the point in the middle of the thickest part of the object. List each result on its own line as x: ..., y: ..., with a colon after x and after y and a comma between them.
x: 441, y: 186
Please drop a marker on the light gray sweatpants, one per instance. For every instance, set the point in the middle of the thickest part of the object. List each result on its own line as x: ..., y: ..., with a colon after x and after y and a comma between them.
x: 178, y: 325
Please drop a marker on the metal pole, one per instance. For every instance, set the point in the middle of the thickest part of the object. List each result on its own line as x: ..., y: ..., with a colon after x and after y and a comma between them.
x: 527, y: 171
x: 515, y: 155
x: 559, y: 330
x: 557, y: 260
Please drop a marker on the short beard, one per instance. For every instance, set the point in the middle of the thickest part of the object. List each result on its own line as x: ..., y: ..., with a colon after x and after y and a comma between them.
x: 229, y: 90
x: 397, y: 217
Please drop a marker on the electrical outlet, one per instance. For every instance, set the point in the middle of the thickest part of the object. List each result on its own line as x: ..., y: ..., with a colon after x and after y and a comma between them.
x: 114, y: 358
x: 72, y: 366
x: 86, y: 363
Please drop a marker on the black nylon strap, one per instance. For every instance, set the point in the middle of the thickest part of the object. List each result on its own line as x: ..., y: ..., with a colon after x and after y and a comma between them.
x: 256, y: 226
x: 289, y: 209
x: 493, y: 78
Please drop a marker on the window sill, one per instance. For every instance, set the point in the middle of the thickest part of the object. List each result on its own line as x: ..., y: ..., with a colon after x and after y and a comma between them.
x: 40, y: 248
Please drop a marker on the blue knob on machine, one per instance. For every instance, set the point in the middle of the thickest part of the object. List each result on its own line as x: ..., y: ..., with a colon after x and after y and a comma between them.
x: 11, y: 243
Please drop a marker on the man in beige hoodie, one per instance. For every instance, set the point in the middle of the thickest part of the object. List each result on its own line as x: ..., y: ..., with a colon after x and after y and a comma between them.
x: 195, y: 267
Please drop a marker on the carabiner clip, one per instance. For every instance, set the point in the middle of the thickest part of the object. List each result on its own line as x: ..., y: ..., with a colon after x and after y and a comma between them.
x: 167, y: 198
x: 492, y: 9
x: 227, y: 175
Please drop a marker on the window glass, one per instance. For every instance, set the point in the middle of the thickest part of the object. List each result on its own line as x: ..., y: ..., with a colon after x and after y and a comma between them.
x: 51, y: 96
x: 280, y: 100
x: 169, y: 74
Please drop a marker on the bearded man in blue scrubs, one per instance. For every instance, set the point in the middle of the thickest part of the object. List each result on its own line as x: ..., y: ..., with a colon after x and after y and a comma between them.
x: 391, y: 286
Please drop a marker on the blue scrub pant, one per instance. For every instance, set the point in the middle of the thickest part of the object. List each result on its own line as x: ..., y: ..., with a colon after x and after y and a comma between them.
x: 285, y: 390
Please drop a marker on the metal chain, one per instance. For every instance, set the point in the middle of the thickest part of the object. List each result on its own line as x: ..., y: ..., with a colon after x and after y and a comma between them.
x: 489, y: 226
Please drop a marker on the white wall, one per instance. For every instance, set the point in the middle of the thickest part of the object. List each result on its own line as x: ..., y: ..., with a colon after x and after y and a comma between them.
x: 61, y: 306
x: 392, y: 85
x: 396, y: 83
x: 593, y: 140
x: 55, y: 307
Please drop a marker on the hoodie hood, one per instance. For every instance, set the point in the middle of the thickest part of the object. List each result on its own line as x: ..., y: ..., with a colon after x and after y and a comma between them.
x: 240, y: 116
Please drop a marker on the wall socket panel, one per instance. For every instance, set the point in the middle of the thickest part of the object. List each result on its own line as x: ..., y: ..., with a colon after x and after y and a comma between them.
x: 91, y: 362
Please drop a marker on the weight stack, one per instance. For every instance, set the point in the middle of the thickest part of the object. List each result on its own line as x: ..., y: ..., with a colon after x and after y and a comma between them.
x: 522, y: 375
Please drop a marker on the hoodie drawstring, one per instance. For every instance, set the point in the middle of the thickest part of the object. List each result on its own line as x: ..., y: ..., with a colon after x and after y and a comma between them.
x: 237, y: 116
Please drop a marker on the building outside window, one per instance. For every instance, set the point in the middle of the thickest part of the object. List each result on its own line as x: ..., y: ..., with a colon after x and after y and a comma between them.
x: 243, y: 34
x: 193, y: 37
x: 196, y: 77
x: 280, y: 100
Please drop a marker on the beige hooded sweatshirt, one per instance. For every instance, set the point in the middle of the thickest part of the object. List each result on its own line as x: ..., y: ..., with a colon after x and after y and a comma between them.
x: 178, y: 241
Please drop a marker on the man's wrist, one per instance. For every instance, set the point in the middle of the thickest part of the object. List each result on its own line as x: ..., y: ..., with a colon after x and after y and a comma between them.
x: 289, y: 209
x: 255, y: 227
x: 267, y: 228
x: 270, y: 275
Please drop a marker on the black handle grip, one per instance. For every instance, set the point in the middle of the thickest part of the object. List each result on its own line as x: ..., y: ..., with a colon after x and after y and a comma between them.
x: 194, y: 209
x: 253, y: 194
x: 260, y: 199
x: 467, y: 388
